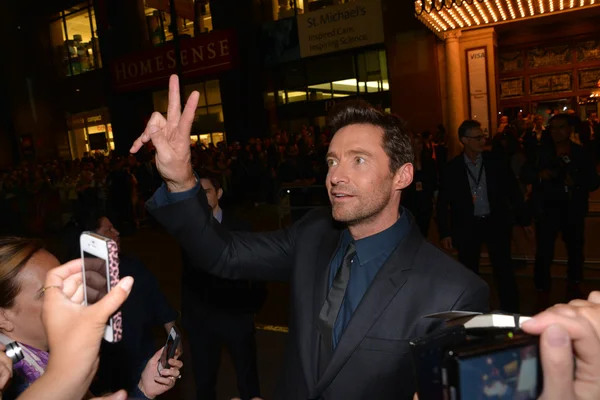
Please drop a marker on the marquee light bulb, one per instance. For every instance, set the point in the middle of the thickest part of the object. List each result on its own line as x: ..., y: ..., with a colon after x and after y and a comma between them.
x: 521, y: 9
x: 463, y: 15
x: 491, y: 11
x: 480, y: 10
x: 510, y: 9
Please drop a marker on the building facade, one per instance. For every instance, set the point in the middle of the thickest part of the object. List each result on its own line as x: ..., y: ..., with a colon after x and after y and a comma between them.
x: 507, y: 57
x: 87, y: 75
x: 317, y: 53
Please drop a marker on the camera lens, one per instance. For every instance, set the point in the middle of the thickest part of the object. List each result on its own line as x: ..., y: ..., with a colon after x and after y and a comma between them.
x: 14, y: 352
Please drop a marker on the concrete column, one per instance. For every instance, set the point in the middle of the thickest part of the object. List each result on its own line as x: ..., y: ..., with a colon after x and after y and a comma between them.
x: 454, y: 81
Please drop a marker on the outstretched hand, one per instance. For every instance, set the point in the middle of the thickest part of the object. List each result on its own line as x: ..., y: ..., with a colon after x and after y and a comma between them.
x: 171, y: 138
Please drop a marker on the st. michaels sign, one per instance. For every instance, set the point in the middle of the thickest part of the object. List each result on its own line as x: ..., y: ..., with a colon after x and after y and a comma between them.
x: 206, y: 54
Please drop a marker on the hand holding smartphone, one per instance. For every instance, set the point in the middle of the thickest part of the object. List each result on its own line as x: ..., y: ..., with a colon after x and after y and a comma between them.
x: 100, y: 270
x: 169, y: 350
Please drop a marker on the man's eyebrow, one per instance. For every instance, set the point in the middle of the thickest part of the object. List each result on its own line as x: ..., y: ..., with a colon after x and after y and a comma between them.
x: 359, y: 152
x: 356, y: 152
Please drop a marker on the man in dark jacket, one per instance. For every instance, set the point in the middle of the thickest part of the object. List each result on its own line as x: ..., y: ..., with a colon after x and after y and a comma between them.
x: 220, y: 312
x: 361, y: 274
x: 560, y: 176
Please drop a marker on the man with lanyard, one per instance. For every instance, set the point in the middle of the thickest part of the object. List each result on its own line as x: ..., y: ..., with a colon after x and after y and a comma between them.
x: 479, y: 201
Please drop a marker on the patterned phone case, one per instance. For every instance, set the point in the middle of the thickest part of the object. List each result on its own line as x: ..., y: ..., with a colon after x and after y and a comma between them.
x: 113, y: 271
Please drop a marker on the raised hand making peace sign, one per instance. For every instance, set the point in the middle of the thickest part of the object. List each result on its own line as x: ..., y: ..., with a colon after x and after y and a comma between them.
x: 171, y: 137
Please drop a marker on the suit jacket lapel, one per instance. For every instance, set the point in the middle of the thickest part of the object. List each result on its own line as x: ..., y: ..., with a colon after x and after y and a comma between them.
x: 388, y: 281
x: 308, y: 334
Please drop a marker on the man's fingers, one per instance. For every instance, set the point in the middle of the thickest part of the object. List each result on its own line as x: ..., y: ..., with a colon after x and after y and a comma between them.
x: 164, y: 381
x: 110, y: 303
x: 174, y: 108
x: 155, y: 125
x: 594, y: 297
x: 167, y: 372
x: 189, y: 112
x: 176, y: 363
x: 557, y: 363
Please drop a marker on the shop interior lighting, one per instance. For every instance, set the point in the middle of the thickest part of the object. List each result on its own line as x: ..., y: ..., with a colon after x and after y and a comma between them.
x: 446, y: 15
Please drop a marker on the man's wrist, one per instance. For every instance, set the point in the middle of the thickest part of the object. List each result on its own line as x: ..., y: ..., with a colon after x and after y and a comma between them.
x: 187, y: 184
x: 140, y: 387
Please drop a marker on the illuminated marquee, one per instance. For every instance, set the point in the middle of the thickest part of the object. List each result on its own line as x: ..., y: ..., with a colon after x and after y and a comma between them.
x: 445, y: 15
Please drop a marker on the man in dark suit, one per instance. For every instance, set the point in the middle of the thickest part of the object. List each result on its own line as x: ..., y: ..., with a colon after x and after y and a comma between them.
x: 218, y: 311
x: 561, y: 176
x: 481, y: 193
x: 361, y: 274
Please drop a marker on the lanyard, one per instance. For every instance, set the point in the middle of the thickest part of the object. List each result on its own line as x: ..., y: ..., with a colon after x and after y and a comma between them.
x: 473, y: 176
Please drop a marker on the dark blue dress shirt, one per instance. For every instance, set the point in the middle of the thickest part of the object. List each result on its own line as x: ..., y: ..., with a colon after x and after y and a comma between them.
x: 371, y: 253
x: 162, y: 196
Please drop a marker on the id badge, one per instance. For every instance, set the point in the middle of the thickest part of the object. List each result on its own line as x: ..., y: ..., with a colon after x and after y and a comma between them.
x: 419, y: 186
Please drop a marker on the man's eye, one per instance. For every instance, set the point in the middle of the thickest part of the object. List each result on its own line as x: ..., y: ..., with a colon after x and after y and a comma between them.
x: 360, y: 160
x: 331, y: 163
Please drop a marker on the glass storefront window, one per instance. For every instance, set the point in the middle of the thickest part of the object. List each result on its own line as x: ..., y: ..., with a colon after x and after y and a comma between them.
x: 90, y: 132
x: 372, y: 72
x: 75, y: 40
x: 370, y: 66
x: 158, y: 19
x: 296, y: 95
x: 202, y: 16
x: 319, y: 92
x: 281, y: 9
x: 209, y: 120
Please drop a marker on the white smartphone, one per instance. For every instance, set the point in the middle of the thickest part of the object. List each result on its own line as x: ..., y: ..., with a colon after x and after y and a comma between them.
x: 100, y: 270
x: 169, y: 350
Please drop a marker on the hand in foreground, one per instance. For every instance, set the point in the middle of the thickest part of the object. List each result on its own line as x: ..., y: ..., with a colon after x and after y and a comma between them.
x: 446, y: 243
x: 171, y: 137
x: 152, y: 383
x: 120, y: 395
x: 6, y: 368
x: 74, y: 332
x: 567, y: 331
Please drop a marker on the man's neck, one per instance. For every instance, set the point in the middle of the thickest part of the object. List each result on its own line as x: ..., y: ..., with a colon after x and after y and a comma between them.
x: 216, y: 211
x: 472, y: 155
x: 562, y: 145
x: 377, y: 224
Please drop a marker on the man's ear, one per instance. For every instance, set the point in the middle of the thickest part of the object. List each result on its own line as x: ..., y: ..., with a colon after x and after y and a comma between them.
x: 403, y: 177
x: 219, y: 194
x: 5, y: 324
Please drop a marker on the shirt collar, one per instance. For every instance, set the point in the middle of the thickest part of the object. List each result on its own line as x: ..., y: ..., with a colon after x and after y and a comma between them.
x: 477, y: 160
x: 380, y: 243
x: 219, y: 215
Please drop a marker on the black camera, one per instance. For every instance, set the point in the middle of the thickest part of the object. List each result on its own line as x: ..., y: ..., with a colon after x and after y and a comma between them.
x: 14, y: 352
x: 463, y: 363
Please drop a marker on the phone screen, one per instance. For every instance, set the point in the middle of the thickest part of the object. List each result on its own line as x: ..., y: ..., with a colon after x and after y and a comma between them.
x: 96, y: 282
x: 168, y: 349
x: 505, y: 374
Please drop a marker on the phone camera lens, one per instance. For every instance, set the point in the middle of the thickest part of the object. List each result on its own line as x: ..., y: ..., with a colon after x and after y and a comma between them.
x: 14, y: 352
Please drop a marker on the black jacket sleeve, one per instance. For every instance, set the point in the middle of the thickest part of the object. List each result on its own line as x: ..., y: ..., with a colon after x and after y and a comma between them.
x: 234, y: 255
